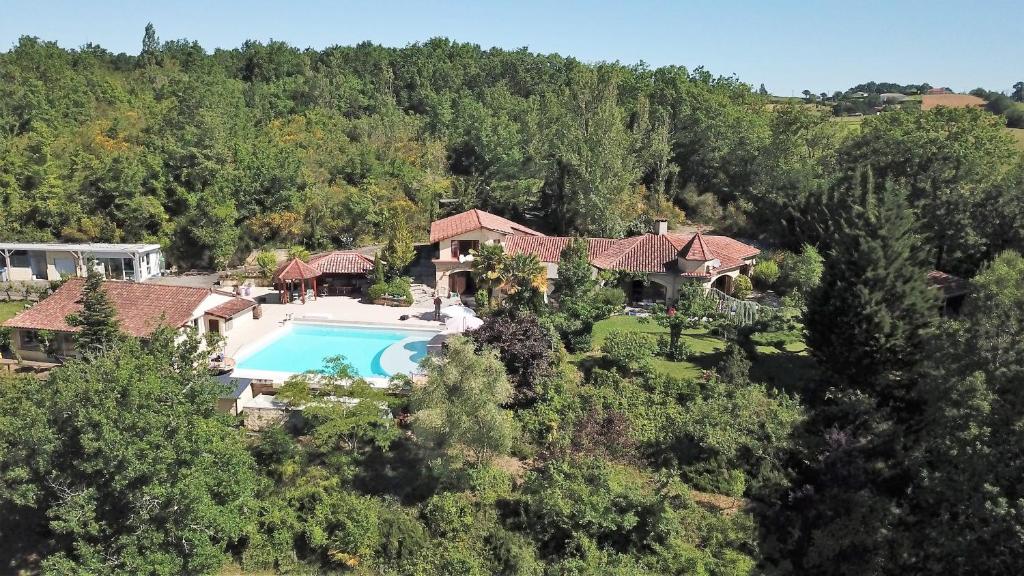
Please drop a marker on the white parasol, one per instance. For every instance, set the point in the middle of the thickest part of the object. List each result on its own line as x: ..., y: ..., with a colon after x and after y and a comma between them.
x: 457, y: 311
x: 463, y: 323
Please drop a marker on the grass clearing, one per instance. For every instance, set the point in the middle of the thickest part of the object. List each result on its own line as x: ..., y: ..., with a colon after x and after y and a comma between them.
x: 9, y: 309
x: 1018, y: 136
x: 780, y: 360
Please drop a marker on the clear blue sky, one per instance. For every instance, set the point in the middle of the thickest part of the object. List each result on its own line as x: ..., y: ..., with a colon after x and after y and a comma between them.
x: 789, y: 45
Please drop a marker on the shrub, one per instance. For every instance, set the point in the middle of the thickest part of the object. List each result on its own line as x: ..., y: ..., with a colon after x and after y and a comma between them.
x: 448, y: 514
x: 576, y: 332
x: 1015, y: 117
x: 765, y: 274
x: 299, y: 252
x: 6, y: 342
x: 802, y: 272
x: 630, y: 352
x: 267, y: 263
x: 741, y: 287
x: 609, y: 298
x: 524, y: 346
x: 400, y: 287
x: 681, y: 351
x: 482, y: 298
x: 376, y: 291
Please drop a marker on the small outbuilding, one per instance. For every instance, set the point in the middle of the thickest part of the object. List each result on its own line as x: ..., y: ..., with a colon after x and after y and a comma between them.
x: 342, y: 272
x: 295, y: 275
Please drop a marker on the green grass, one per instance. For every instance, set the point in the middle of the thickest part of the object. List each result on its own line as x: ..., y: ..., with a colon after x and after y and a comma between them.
x: 704, y: 345
x: 1018, y: 135
x: 9, y: 309
x: 781, y: 359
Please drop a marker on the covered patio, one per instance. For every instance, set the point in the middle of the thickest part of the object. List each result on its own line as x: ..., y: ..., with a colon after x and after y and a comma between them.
x: 295, y: 274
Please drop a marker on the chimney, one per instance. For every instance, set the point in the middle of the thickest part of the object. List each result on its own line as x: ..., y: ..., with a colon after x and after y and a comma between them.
x: 661, y: 226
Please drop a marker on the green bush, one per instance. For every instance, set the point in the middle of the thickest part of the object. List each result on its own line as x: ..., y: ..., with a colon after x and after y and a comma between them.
x: 630, y: 352
x: 448, y: 514
x: 610, y: 298
x: 401, y: 287
x: 6, y: 339
x: 482, y: 298
x: 801, y: 272
x: 741, y: 287
x: 765, y: 274
x: 575, y: 332
x: 299, y: 252
x: 377, y: 291
x: 681, y: 351
x: 267, y: 263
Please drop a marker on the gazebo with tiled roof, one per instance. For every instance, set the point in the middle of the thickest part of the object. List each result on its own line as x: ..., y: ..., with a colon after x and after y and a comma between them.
x: 292, y: 272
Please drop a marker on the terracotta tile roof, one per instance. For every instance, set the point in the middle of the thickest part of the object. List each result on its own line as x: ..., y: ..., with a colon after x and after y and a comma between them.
x: 295, y: 269
x: 342, y: 262
x: 140, y: 307
x: 949, y: 284
x: 475, y: 220
x: 659, y: 253
x: 549, y: 248
x: 697, y: 250
x: 231, y: 308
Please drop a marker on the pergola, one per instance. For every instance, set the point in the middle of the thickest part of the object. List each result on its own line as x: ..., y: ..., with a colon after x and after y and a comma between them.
x: 292, y: 272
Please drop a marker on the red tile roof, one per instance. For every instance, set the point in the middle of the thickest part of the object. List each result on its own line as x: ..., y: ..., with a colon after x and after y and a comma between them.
x: 295, y: 269
x: 549, y: 248
x: 231, y: 308
x: 647, y: 253
x: 471, y: 220
x: 342, y: 262
x: 696, y: 250
x: 949, y: 285
x: 140, y: 307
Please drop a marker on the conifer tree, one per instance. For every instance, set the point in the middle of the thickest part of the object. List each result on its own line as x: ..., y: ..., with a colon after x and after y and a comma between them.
x: 872, y: 311
x: 97, y: 320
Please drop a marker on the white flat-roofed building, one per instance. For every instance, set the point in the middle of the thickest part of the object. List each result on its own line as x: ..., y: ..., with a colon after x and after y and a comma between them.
x: 24, y: 261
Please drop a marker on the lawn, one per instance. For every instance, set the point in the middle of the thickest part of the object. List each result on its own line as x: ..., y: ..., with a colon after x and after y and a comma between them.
x: 781, y: 359
x: 704, y: 346
x: 9, y: 309
x: 1018, y: 135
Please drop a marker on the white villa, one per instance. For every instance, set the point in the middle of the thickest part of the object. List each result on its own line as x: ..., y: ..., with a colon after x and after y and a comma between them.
x: 32, y: 261
x: 666, y: 259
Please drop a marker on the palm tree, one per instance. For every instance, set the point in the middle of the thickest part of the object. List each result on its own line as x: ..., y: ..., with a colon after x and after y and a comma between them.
x: 488, y: 263
x: 524, y: 279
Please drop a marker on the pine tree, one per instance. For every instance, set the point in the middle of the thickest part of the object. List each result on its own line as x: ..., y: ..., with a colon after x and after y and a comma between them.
x: 871, y: 314
x: 867, y: 324
x: 97, y: 320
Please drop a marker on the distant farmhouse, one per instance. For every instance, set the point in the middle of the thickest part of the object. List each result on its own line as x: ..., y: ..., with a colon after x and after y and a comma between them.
x: 22, y: 262
x: 893, y: 98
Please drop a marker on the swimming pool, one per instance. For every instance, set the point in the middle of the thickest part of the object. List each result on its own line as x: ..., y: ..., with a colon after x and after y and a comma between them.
x: 372, y: 352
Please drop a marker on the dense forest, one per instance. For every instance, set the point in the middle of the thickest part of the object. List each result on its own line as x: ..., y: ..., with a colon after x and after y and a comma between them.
x: 213, y: 154
x: 892, y: 445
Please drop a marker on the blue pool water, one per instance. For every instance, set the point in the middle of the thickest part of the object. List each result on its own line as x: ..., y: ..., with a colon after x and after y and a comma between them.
x: 303, y: 347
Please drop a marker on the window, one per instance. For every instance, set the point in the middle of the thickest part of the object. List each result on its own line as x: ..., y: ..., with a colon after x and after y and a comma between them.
x: 214, y: 326
x: 19, y: 259
x: 463, y: 247
x: 29, y: 338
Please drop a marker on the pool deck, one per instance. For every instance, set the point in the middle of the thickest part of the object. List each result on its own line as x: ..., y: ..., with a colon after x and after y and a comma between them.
x: 331, y: 309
